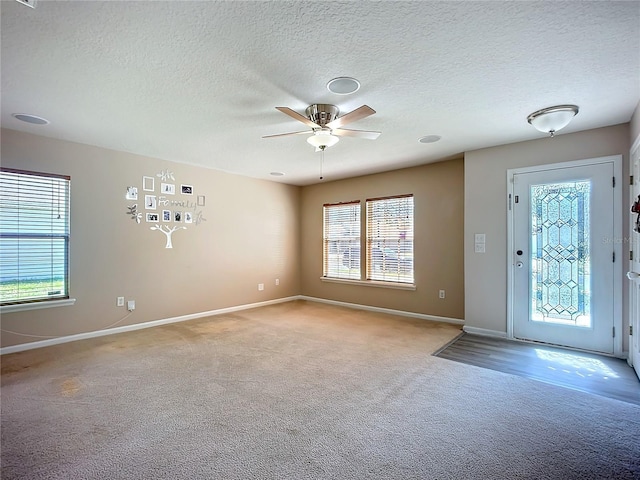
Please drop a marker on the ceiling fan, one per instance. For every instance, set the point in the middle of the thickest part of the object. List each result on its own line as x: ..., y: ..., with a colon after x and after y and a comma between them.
x: 326, y: 126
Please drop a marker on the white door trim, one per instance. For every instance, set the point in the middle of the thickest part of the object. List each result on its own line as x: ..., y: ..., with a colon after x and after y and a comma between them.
x: 633, y: 359
x: 616, y: 241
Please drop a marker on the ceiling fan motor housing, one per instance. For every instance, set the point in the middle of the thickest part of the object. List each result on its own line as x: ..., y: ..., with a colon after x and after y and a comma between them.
x: 322, y: 113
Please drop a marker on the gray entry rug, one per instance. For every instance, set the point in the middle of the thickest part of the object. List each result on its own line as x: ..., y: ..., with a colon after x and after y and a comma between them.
x: 587, y: 372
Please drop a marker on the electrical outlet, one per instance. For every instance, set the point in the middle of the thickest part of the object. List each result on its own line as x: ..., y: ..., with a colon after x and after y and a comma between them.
x: 441, y: 294
x: 131, y: 305
x: 261, y: 286
x: 277, y: 282
x: 120, y: 301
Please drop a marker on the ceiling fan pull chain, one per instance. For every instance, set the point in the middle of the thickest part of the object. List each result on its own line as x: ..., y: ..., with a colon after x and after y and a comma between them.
x: 321, y: 163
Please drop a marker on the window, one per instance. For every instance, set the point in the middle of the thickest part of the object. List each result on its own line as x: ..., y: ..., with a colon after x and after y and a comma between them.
x: 390, y: 239
x: 34, y: 237
x: 342, y: 240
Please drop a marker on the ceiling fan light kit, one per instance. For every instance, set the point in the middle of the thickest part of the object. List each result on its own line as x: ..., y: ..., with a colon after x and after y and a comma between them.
x: 322, y: 139
x: 551, y: 119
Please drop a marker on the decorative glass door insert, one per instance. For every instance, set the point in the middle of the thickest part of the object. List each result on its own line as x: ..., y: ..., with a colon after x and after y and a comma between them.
x: 560, y: 260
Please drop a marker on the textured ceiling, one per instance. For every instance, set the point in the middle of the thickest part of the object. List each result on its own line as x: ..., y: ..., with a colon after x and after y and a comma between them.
x: 197, y: 82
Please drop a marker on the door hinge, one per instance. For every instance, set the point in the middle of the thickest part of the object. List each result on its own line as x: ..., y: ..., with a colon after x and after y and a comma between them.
x: 631, y: 180
x: 614, y: 257
x: 509, y: 201
x: 631, y: 255
x: 614, y: 331
x: 614, y: 181
x: 630, y: 329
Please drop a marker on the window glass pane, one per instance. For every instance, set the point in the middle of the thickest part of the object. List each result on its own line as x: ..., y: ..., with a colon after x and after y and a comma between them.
x: 390, y: 239
x: 342, y: 241
x: 34, y: 237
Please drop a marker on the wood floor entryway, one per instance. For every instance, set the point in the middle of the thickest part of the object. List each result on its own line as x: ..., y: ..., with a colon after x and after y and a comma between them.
x: 597, y: 374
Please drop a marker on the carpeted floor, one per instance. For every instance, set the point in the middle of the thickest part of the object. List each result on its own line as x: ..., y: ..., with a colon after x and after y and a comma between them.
x: 297, y: 391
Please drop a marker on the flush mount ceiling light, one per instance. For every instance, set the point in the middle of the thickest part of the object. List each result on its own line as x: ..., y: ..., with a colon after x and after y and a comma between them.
x: 33, y: 119
x: 343, y: 85
x: 429, y: 138
x: 322, y: 139
x: 550, y: 120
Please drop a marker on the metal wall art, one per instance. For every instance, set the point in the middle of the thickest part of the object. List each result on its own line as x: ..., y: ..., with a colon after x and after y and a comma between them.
x: 168, y: 207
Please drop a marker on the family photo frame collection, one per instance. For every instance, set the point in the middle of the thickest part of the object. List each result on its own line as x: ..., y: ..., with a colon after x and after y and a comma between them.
x: 167, y: 204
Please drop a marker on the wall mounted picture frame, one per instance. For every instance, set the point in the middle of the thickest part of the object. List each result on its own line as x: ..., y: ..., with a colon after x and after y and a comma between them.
x: 148, y: 184
x: 201, y: 200
x: 166, y: 215
x: 177, y: 216
x: 132, y: 193
x: 152, y: 217
x: 168, y: 188
x: 150, y: 202
x: 186, y: 189
x: 188, y: 217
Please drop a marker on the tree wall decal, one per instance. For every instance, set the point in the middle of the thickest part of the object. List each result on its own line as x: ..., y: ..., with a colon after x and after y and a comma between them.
x: 168, y: 232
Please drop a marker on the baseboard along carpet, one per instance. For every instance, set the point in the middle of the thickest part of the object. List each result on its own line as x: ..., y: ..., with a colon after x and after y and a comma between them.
x: 587, y: 372
x: 299, y: 390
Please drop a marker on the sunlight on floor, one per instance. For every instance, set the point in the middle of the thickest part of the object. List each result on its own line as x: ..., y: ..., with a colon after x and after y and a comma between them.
x: 577, y: 364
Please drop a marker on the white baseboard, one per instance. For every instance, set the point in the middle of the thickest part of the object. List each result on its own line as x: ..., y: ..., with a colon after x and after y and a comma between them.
x: 484, y: 331
x: 154, y: 323
x: 138, y: 326
x: 390, y: 311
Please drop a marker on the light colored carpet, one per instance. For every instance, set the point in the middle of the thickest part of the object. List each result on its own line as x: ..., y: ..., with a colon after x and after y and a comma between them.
x: 297, y: 391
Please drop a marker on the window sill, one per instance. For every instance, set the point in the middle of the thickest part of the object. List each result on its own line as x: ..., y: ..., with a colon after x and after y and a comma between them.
x: 20, y: 307
x: 371, y: 283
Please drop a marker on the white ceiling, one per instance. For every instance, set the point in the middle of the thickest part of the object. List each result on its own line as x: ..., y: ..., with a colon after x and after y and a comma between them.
x: 197, y: 82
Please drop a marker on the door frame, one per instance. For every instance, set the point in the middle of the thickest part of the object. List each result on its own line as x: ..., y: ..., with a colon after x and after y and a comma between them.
x: 634, y: 323
x: 616, y: 241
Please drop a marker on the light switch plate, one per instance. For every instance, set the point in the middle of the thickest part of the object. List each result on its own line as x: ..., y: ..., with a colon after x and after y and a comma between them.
x: 480, y: 248
x: 480, y: 238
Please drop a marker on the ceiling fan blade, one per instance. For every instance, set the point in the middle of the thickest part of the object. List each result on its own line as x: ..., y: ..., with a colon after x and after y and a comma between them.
x: 297, y: 116
x: 285, y: 134
x: 357, y: 114
x: 343, y: 132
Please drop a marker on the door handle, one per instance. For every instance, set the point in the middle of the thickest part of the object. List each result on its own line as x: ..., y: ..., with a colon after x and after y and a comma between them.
x: 633, y: 275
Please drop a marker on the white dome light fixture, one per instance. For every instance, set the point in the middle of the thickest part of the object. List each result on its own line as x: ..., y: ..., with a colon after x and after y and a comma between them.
x: 322, y: 139
x: 550, y: 120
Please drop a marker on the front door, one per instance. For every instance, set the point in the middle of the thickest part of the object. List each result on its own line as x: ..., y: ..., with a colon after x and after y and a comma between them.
x: 563, y: 256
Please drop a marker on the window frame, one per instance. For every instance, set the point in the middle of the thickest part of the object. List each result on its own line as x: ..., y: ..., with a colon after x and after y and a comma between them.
x: 38, y: 302
x: 329, y: 271
x: 363, y: 279
x: 399, y: 260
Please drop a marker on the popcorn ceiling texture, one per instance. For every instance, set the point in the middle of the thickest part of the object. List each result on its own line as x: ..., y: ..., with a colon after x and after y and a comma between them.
x: 197, y: 82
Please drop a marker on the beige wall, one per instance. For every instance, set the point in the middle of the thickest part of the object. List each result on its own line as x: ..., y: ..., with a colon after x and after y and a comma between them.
x: 486, y: 211
x: 438, y: 256
x: 250, y: 236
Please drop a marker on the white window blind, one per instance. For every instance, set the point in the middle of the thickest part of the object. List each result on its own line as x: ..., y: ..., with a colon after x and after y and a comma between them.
x: 342, y: 240
x: 390, y: 239
x: 34, y: 237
